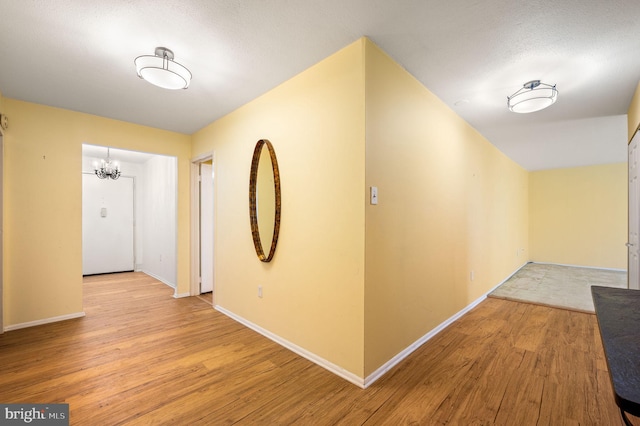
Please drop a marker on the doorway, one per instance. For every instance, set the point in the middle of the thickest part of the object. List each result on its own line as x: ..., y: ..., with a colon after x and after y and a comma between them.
x: 155, y: 199
x: 1, y: 231
x: 633, y: 242
x: 202, y: 180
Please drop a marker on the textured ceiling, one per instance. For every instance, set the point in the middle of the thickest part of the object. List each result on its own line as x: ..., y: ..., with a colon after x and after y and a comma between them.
x: 94, y: 152
x: 79, y: 55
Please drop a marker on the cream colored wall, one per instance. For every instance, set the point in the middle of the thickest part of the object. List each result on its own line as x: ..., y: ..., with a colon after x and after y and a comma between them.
x: 313, y: 289
x: 633, y: 113
x: 352, y: 283
x: 578, y: 216
x: 43, y: 190
x: 449, y: 203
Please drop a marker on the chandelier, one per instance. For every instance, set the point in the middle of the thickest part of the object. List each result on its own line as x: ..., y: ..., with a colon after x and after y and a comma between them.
x: 162, y: 71
x: 533, y: 96
x: 107, y: 169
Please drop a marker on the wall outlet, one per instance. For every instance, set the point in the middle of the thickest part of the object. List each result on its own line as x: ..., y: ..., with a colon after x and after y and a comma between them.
x: 472, y: 275
x: 260, y: 291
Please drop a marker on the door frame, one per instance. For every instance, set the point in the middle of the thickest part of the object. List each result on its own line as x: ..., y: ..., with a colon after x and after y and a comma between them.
x: 194, y: 285
x: 1, y: 229
x: 633, y: 209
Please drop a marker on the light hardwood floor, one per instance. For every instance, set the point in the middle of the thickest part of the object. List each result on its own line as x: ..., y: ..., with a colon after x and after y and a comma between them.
x: 142, y: 357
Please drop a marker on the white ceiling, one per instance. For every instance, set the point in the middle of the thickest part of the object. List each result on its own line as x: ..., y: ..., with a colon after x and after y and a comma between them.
x: 122, y: 156
x: 78, y: 55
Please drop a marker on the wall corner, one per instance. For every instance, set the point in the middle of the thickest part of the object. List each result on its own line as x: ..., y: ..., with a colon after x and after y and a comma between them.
x: 633, y: 113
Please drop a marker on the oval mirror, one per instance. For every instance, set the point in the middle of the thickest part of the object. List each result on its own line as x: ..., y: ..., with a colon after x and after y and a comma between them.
x: 264, y: 199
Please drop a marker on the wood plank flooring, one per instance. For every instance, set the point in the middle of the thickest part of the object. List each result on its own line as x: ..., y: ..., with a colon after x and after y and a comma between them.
x: 143, y: 357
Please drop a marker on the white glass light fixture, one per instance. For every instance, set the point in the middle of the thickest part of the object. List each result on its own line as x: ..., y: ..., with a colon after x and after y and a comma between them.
x: 162, y: 71
x: 107, y: 168
x: 533, y: 96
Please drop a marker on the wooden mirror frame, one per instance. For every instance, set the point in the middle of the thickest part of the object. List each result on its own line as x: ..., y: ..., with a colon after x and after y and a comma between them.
x: 253, y: 206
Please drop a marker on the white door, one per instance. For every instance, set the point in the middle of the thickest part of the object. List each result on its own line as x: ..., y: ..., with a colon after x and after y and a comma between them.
x: 206, y: 228
x: 633, y: 243
x: 107, y: 225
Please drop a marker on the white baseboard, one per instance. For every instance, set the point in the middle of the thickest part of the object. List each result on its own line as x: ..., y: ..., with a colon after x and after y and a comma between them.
x: 339, y: 371
x: 44, y: 321
x: 335, y: 369
x: 180, y: 295
x: 162, y: 280
x: 509, y: 277
x: 415, y: 345
x: 580, y: 266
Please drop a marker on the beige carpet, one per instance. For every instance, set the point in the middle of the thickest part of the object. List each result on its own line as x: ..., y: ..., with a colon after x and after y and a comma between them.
x: 559, y: 286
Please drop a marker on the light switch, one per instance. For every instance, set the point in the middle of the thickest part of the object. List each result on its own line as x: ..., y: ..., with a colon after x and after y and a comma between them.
x: 374, y: 195
x: 103, y: 212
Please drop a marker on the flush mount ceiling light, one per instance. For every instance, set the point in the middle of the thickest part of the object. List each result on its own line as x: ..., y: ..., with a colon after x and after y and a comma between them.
x: 533, y: 97
x: 161, y: 70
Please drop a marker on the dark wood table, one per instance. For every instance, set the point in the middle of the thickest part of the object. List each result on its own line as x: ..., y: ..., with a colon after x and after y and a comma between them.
x: 618, y: 313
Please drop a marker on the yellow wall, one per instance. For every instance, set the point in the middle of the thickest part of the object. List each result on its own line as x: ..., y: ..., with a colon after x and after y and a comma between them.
x: 633, y: 114
x: 578, y: 216
x: 352, y: 283
x: 449, y: 203
x: 43, y: 209
x: 313, y: 288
